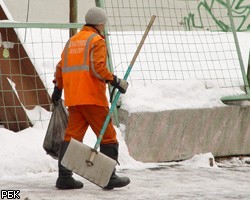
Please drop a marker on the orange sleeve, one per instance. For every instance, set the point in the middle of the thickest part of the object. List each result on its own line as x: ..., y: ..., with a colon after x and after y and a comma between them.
x: 98, y: 57
x: 58, y: 75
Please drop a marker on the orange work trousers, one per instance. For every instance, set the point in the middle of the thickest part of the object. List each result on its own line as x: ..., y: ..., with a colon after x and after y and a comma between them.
x: 83, y: 116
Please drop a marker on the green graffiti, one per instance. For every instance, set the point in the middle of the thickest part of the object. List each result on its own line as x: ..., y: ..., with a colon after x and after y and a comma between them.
x: 241, y: 14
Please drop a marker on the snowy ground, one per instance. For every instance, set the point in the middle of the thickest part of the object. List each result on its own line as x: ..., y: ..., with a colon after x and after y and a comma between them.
x: 26, y: 167
x: 171, y: 181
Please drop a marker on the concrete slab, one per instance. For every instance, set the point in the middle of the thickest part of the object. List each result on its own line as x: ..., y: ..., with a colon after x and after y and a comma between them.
x: 179, y: 134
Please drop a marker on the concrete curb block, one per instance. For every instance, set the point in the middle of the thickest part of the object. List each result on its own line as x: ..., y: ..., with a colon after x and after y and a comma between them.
x: 180, y: 134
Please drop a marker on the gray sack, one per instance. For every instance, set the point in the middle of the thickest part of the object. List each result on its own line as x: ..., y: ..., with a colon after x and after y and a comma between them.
x: 56, y: 130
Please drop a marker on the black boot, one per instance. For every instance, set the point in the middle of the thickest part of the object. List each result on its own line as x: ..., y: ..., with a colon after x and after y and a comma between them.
x: 111, y: 150
x: 65, y: 179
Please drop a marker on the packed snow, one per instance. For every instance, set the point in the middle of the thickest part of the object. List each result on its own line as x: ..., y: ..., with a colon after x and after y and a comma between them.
x: 26, y: 167
x: 175, y: 95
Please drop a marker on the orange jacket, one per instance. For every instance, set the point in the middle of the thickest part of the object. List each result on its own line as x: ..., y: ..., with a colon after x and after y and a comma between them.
x: 82, y: 71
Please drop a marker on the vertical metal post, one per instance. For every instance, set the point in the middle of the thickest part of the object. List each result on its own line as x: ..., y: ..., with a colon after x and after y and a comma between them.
x: 100, y: 3
x: 247, y: 89
x: 248, y: 68
x: 73, y: 16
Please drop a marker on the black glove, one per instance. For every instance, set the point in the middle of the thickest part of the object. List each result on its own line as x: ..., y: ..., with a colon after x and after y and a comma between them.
x: 120, y: 84
x: 56, y: 96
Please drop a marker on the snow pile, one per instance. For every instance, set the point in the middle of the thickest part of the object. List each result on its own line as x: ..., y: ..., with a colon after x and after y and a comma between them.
x: 201, y: 160
x: 167, y: 95
x: 23, y: 152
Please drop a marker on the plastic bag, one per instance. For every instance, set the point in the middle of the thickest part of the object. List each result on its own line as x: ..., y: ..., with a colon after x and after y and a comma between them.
x: 56, y: 130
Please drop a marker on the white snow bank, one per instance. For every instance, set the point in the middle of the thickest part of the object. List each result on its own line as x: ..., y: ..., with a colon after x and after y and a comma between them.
x: 168, y: 95
x: 201, y: 160
x: 22, y: 153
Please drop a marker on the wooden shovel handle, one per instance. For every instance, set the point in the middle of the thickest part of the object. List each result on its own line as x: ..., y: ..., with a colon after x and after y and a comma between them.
x: 105, y: 124
x: 142, y: 40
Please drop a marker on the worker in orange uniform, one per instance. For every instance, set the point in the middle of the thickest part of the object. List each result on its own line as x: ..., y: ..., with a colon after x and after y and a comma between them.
x: 83, y: 75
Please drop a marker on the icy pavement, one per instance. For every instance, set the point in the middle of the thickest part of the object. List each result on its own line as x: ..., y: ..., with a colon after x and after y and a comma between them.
x: 168, y: 181
x: 25, y: 166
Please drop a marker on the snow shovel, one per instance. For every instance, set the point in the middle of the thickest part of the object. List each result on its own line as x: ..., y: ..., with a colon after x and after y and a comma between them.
x: 88, y: 162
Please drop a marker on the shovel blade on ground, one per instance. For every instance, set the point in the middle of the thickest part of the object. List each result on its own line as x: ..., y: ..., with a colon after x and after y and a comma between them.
x: 75, y: 159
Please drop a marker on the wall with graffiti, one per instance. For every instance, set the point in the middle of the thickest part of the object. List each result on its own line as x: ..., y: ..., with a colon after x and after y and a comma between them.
x: 213, y: 15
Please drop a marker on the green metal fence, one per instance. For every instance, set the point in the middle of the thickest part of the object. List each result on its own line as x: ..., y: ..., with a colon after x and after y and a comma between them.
x: 190, y: 40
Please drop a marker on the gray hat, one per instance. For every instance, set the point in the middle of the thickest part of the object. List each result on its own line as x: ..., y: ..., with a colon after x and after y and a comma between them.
x: 96, y: 16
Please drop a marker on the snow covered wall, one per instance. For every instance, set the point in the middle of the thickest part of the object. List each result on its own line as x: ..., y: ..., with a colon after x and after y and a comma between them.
x: 174, y: 120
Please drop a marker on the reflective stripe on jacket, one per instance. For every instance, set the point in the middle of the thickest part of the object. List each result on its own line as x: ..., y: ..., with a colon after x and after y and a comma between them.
x: 82, y: 71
